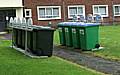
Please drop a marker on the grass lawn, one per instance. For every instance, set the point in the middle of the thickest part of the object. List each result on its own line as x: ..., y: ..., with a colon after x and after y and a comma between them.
x: 109, y: 39
x: 13, y: 62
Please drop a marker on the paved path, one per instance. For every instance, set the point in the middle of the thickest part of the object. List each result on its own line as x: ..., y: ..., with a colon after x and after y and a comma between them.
x: 96, y: 63
x: 6, y: 37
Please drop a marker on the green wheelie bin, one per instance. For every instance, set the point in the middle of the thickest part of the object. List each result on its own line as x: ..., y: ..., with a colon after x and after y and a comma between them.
x: 89, y: 35
x: 75, y: 36
x: 68, y: 34
x: 61, y: 30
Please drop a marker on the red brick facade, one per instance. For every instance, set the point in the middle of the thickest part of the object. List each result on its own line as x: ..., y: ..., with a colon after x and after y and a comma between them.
x: 32, y: 4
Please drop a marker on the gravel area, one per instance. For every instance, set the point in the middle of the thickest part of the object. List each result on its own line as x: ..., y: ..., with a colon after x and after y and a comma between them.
x: 96, y: 63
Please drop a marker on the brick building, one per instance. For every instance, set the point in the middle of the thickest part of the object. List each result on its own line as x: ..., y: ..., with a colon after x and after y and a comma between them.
x: 44, y: 11
x: 9, y: 8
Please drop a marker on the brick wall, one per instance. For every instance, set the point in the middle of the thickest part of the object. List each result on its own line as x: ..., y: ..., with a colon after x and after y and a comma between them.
x: 88, y: 8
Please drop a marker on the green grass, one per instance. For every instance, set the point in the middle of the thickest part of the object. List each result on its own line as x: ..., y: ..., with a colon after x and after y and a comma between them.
x: 109, y: 39
x: 56, y: 38
x: 13, y: 62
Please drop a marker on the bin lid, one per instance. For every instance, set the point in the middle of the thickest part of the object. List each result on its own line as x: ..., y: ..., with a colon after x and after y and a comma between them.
x: 42, y: 27
x: 63, y: 23
x: 77, y: 24
x: 90, y: 24
x: 67, y: 23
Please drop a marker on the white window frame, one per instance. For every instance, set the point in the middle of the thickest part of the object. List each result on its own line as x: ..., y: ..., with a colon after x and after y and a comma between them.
x: 30, y: 13
x: 83, y: 6
x: 114, y: 10
x: 38, y: 7
x: 98, y: 10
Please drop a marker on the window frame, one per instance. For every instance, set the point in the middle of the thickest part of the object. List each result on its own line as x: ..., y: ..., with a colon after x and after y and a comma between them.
x: 30, y: 12
x: 59, y: 8
x: 83, y: 6
x: 98, y: 10
x: 114, y: 9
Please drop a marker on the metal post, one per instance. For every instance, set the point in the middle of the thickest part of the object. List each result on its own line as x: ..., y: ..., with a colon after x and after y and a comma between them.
x: 12, y: 37
x: 11, y: 26
x: 26, y: 37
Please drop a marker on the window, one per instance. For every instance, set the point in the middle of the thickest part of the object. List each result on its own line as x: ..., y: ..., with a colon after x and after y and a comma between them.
x: 28, y: 13
x: 76, y: 10
x: 100, y: 9
x: 116, y: 10
x: 49, y: 12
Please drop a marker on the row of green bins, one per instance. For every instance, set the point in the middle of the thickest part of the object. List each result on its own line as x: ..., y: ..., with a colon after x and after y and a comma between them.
x: 81, y: 35
x: 67, y: 33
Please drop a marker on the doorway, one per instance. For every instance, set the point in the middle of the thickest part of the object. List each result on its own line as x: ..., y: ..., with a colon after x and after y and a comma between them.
x: 3, y: 21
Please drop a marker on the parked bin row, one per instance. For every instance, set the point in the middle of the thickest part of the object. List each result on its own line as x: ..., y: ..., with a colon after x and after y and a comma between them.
x: 79, y: 35
x: 39, y: 40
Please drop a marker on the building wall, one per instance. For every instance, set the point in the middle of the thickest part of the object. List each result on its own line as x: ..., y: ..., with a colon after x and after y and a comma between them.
x: 11, y: 3
x: 32, y: 4
x: 19, y: 12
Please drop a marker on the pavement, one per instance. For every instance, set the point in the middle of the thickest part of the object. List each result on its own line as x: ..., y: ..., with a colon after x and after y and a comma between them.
x: 6, y: 37
x: 96, y: 63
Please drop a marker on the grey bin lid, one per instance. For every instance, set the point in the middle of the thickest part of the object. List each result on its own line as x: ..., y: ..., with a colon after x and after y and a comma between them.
x: 35, y: 27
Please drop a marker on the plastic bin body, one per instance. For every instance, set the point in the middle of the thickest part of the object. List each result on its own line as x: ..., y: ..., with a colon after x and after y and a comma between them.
x: 15, y: 37
x: 19, y: 38
x: 43, y: 42
x: 75, y: 37
x: 62, y: 35
x: 89, y: 37
x: 23, y: 40
x: 68, y: 35
x: 30, y: 40
x: 81, y: 35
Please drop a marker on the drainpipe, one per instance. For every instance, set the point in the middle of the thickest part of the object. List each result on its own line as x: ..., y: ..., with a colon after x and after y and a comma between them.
x: 64, y: 11
x: 112, y: 12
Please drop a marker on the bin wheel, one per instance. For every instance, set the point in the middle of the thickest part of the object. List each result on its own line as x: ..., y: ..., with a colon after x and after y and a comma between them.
x: 39, y: 53
x: 97, y: 45
x: 49, y: 55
